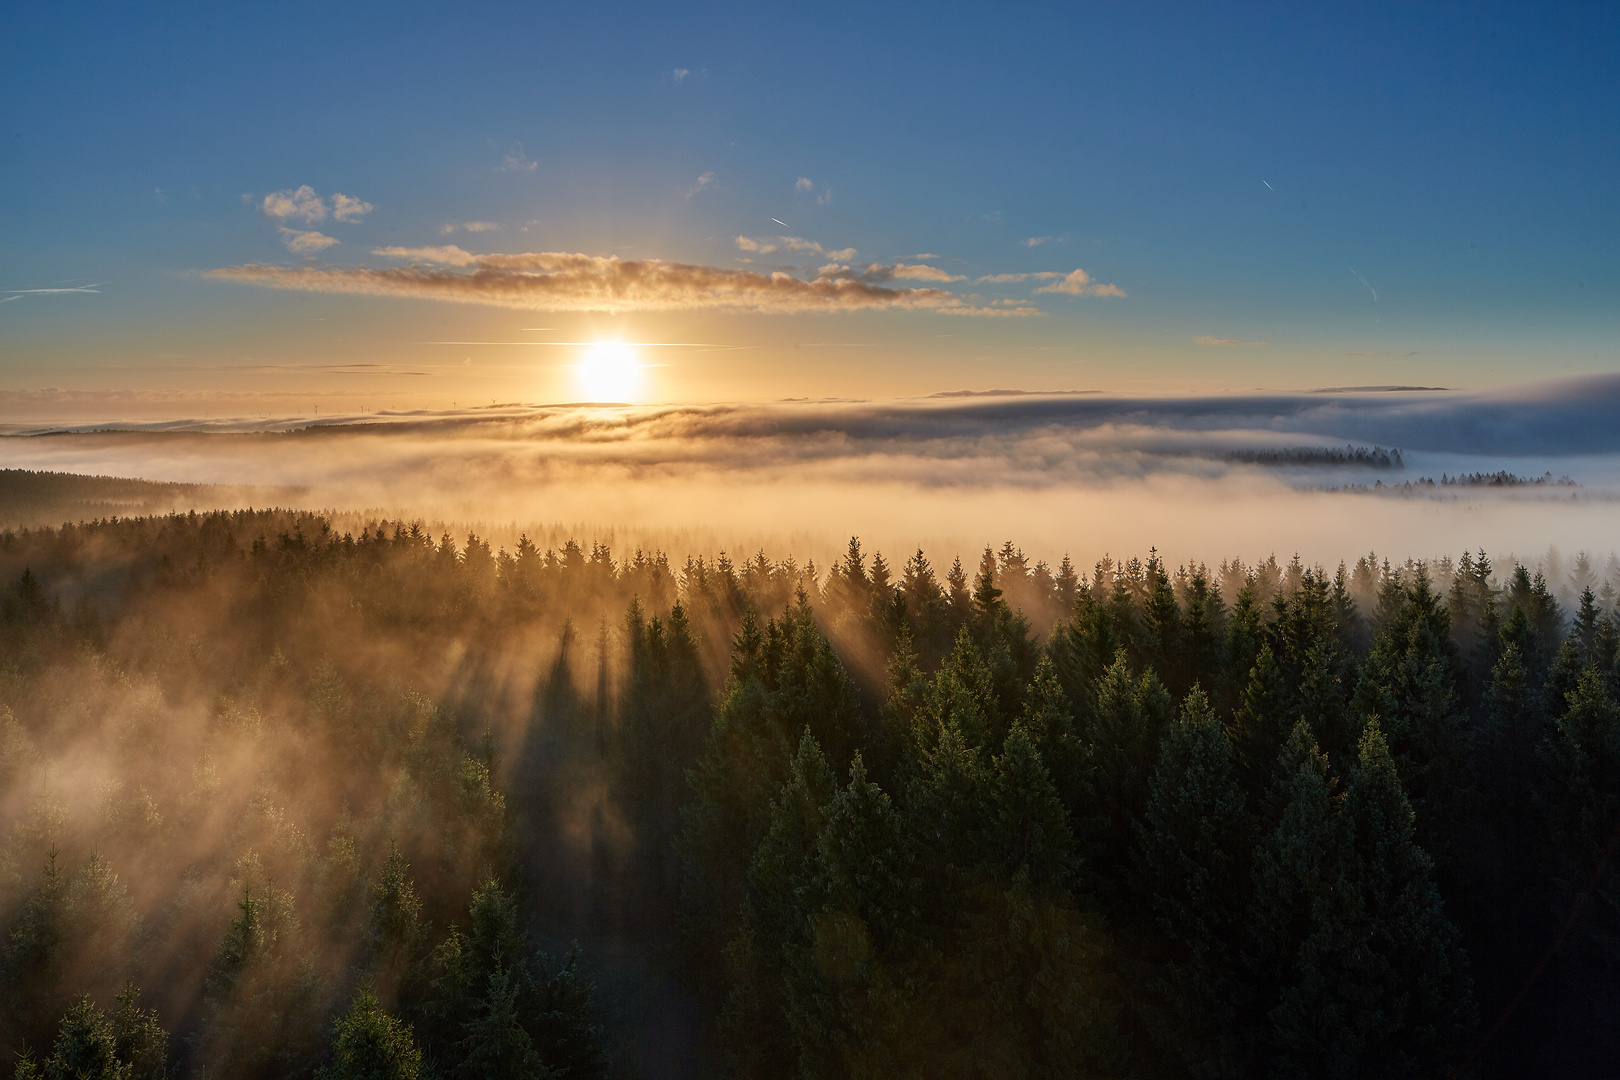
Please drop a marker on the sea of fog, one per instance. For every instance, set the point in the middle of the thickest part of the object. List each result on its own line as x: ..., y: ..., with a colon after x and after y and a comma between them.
x: 1200, y: 478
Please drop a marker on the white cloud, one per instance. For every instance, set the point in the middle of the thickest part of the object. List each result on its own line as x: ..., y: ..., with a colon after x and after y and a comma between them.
x: 1079, y: 283
x: 1037, y: 241
x: 469, y: 226
x: 349, y: 209
x: 514, y: 161
x: 832, y: 270
x: 765, y: 245
x: 803, y: 184
x: 1006, y: 279
x: 305, y: 242
x: 825, y: 197
x: 702, y: 182
x: 680, y: 74
x: 300, y: 204
x: 449, y: 255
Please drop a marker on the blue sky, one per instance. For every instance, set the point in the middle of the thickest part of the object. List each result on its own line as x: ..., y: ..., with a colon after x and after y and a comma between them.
x: 1378, y: 194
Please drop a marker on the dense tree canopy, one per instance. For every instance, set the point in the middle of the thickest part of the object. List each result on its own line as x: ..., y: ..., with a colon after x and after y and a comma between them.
x: 378, y: 804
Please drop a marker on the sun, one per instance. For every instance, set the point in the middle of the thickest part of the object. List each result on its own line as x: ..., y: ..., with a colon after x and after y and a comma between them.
x: 609, y: 371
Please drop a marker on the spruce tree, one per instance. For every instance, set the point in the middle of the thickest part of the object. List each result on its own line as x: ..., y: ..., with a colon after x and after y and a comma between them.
x: 369, y: 1044
x: 1192, y: 862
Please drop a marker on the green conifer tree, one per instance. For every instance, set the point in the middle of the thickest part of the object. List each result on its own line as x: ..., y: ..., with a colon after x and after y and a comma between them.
x: 1192, y: 862
x: 369, y: 1044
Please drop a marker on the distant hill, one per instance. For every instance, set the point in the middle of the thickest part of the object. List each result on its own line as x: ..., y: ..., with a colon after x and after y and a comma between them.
x: 32, y: 499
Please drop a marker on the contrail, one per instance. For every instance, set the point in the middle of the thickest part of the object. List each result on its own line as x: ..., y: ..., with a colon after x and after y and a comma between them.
x: 1269, y: 187
x: 77, y: 288
x: 782, y: 223
x: 1363, y: 280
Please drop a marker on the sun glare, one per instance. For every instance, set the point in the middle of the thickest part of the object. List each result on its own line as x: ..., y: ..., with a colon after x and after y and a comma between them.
x: 609, y: 371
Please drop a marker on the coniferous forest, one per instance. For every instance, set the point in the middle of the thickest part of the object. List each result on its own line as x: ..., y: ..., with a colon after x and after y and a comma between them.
x: 279, y: 802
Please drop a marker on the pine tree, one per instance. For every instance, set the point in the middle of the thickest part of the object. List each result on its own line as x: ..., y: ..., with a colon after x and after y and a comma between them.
x: 1192, y: 854
x: 1407, y: 991
x: 86, y: 1048
x: 1122, y: 745
x: 1261, y: 722
x: 754, y: 1029
x: 368, y: 1044
x: 1409, y: 683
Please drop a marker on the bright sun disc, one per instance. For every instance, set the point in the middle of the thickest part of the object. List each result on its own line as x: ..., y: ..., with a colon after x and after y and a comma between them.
x: 609, y: 372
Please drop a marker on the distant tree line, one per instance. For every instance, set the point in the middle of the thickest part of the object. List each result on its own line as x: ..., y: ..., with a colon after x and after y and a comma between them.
x: 281, y: 802
x: 1366, y: 457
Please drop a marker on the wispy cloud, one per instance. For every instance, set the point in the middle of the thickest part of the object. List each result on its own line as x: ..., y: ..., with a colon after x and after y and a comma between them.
x: 469, y: 226
x: 768, y: 245
x: 1008, y: 279
x: 305, y: 241
x: 295, y: 204
x: 560, y: 281
x: 449, y: 255
x: 1037, y: 241
x: 702, y: 182
x: 1079, y: 283
x: 804, y: 186
x: 349, y: 209
x: 72, y: 289
x: 514, y: 161
x: 680, y: 74
x: 1207, y: 340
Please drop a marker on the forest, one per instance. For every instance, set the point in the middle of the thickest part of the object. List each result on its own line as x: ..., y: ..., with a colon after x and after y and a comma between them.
x: 279, y: 800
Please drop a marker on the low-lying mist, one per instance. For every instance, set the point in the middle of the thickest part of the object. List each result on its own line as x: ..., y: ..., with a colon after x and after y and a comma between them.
x: 1083, y: 474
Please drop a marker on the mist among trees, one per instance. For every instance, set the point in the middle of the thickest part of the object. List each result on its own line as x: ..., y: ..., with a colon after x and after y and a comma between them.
x: 280, y: 802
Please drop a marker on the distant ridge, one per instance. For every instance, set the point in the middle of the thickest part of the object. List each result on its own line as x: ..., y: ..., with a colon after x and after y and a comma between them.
x: 1374, y: 389
x: 1009, y: 393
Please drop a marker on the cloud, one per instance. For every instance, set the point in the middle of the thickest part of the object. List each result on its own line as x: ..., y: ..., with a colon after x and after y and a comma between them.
x: 561, y: 281
x: 1207, y: 340
x: 1006, y: 279
x: 918, y: 272
x: 1079, y: 283
x: 803, y: 184
x: 469, y: 226
x: 449, y: 255
x: 305, y: 242
x: 680, y: 74
x: 295, y: 204
x: 825, y: 197
x: 767, y: 245
x: 351, y: 210
x: 702, y: 182
x: 514, y: 161
x: 1037, y: 241
x: 832, y: 270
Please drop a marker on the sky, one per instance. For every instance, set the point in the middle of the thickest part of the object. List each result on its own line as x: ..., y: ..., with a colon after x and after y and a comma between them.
x: 283, y: 209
